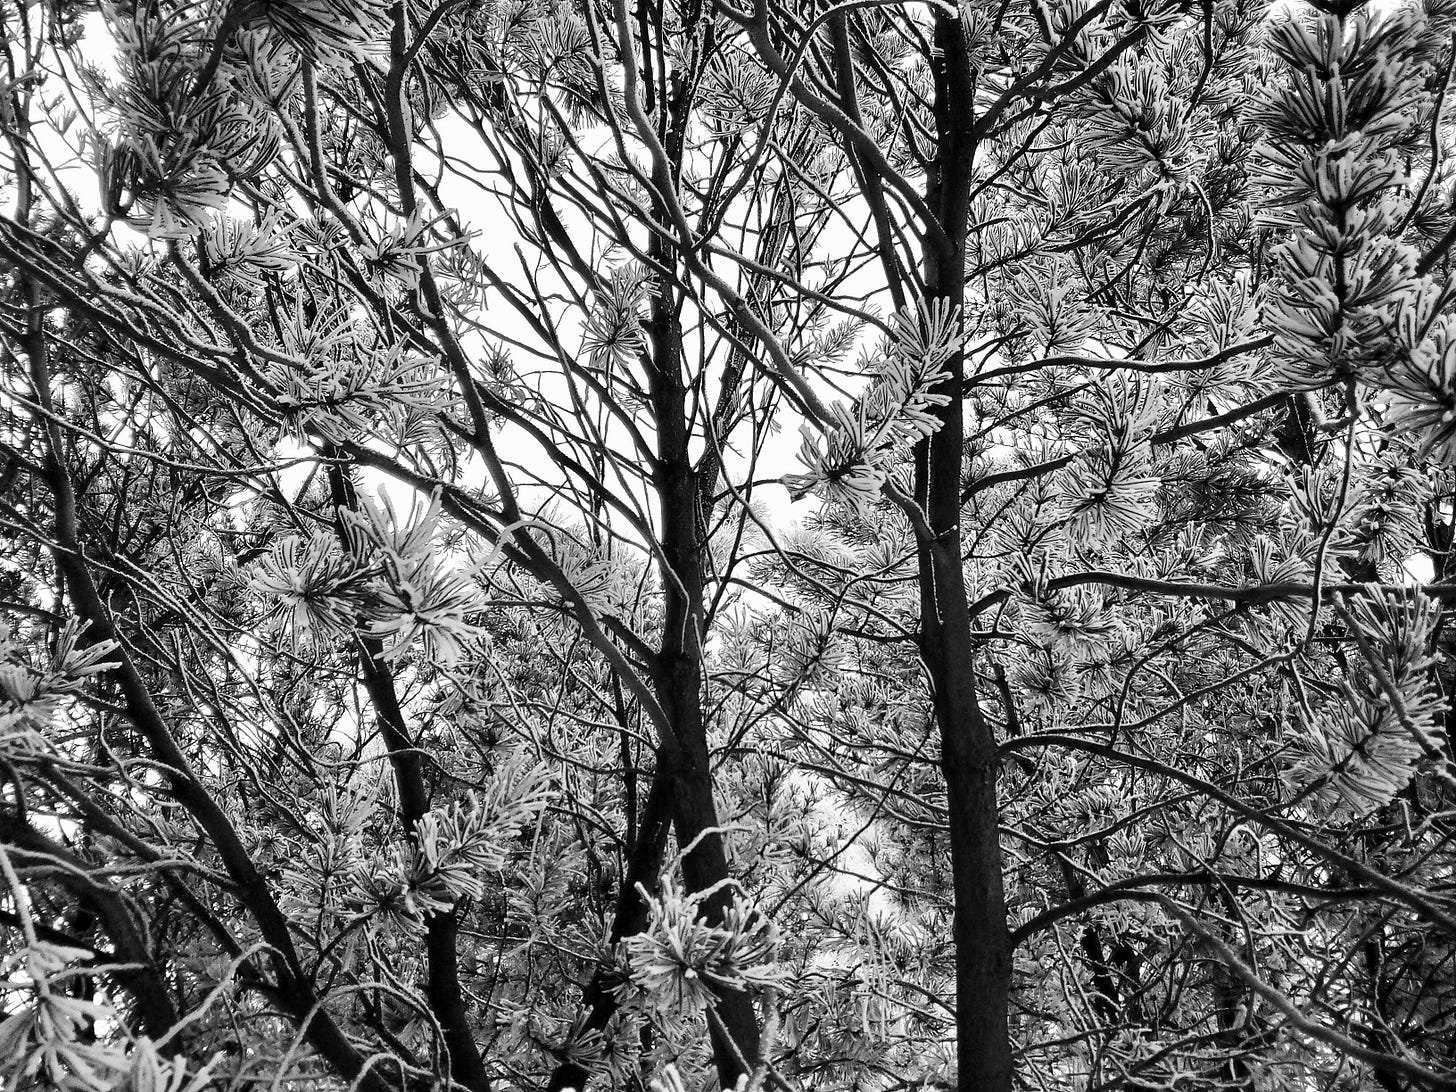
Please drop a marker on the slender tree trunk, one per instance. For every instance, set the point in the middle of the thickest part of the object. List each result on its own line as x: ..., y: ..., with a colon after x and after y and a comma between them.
x: 678, y: 671
x: 292, y: 984
x: 969, y: 758
x: 649, y: 845
x: 135, y: 969
x: 970, y: 766
x: 680, y: 674
x: 682, y: 786
x: 442, y: 958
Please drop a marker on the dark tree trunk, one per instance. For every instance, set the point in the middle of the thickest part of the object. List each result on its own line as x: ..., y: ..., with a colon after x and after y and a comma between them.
x: 683, y: 782
x: 680, y: 674
x: 969, y: 758
x: 649, y: 846
x: 442, y: 961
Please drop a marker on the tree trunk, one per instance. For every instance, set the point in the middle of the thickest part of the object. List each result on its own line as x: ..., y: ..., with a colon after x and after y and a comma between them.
x: 442, y: 958
x: 969, y: 757
x: 649, y: 846
x: 680, y: 675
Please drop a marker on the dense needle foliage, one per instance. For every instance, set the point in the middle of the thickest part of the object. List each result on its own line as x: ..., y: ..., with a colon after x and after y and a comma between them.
x: 672, y: 546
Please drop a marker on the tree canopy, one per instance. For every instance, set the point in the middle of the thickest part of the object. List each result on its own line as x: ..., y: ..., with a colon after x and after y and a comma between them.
x: 674, y: 546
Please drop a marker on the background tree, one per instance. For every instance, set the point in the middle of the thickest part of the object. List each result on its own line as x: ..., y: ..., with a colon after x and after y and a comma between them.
x: 429, y: 697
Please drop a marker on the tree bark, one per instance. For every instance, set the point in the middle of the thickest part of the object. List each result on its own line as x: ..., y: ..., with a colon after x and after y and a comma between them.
x: 680, y: 675
x: 649, y: 846
x: 137, y: 973
x: 969, y: 758
x: 442, y: 962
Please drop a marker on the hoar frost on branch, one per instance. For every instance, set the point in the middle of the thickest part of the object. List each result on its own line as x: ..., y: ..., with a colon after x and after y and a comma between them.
x: 446, y: 702
x: 856, y: 455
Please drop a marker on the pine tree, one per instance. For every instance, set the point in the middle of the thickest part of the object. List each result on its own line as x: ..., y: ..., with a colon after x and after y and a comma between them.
x: 432, y: 662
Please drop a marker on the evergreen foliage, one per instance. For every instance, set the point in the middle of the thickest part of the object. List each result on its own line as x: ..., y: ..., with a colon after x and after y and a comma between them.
x: 676, y: 546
